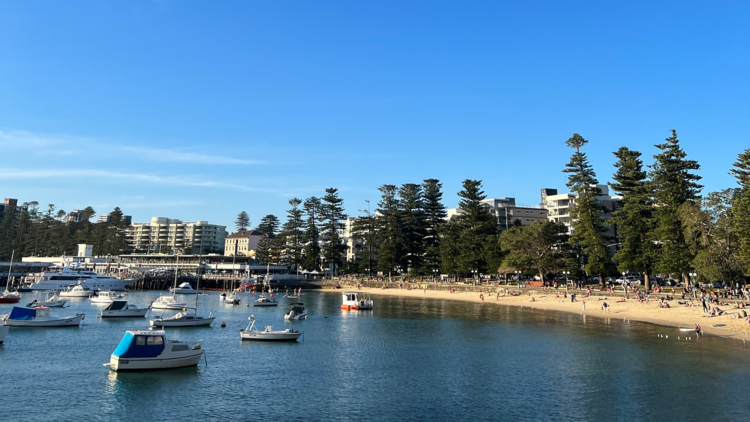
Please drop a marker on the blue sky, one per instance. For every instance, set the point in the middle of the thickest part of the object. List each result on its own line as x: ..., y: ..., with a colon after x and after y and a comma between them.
x: 199, y: 110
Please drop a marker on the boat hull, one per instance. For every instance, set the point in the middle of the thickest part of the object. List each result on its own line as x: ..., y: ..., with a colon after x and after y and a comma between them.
x: 61, y: 322
x: 203, y: 322
x: 125, y: 314
x: 265, y: 304
x: 3, y: 332
x: 172, y: 307
x: 10, y: 300
x: 261, y: 336
x: 149, y: 364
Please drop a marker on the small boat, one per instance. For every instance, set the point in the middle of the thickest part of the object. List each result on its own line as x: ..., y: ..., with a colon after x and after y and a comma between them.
x: 183, y: 319
x: 268, y: 334
x: 147, y: 350
x: 9, y: 296
x: 76, y: 290
x: 107, y: 297
x: 246, y: 285
x: 122, y: 309
x: 51, y: 300
x: 356, y: 300
x: 3, y: 332
x: 184, y: 289
x: 264, y: 301
x: 687, y: 330
x: 297, y: 312
x: 169, y: 303
x: 230, y: 298
x: 39, y: 317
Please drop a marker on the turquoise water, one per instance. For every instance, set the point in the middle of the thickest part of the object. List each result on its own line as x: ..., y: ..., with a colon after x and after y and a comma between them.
x: 409, y: 359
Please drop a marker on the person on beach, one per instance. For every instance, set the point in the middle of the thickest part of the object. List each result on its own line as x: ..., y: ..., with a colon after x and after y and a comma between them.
x: 481, y: 297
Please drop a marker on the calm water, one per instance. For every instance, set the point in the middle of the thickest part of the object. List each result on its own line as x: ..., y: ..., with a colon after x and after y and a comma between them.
x: 409, y: 359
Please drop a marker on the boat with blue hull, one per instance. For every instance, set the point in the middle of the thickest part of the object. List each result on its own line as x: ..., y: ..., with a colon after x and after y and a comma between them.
x: 145, y: 350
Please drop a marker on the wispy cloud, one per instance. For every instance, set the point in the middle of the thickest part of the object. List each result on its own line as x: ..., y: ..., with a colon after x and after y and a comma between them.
x: 57, y: 144
x: 129, y: 177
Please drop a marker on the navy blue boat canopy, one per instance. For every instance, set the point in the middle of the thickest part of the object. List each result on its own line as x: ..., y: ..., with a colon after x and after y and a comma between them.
x: 139, y: 346
x: 22, y: 314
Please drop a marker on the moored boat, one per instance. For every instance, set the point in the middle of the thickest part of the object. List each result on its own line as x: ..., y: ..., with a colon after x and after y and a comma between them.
x: 268, y: 334
x: 148, y: 350
x: 264, y: 301
x: 184, y: 289
x: 39, y: 317
x: 230, y: 298
x: 356, y: 300
x: 3, y: 332
x: 76, y: 290
x: 168, y: 303
x: 297, y: 312
x: 107, y: 297
x: 51, y: 300
x: 9, y: 296
x: 122, y: 309
x: 182, y: 319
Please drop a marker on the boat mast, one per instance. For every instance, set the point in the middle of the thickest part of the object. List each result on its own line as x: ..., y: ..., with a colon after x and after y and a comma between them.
x: 12, y: 255
x: 198, y: 286
x: 176, y: 265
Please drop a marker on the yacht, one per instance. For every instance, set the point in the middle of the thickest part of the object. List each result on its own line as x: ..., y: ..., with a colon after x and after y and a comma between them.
x: 63, y: 277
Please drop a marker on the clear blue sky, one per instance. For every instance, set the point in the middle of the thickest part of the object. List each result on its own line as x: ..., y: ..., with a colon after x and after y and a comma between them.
x: 199, y: 110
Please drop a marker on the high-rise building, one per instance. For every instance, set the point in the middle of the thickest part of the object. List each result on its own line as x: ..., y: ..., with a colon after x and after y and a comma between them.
x: 507, y: 212
x: 560, y: 205
x: 169, y: 233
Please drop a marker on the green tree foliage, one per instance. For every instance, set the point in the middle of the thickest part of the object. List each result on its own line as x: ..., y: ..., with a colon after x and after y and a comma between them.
x: 311, y: 259
x: 269, y: 225
x: 264, y: 251
x: 674, y: 184
x: 413, y: 226
x: 391, y: 249
x: 635, y: 218
x: 293, y: 232
x: 711, y: 233
x: 331, y: 216
x: 477, y: 226
x: 242, y: 222
x: 366, y: 229
x: 741, y: 210
x: 588, y: 226
x: 542, y: 247
x: 450, y: 249
x: 434, y: 219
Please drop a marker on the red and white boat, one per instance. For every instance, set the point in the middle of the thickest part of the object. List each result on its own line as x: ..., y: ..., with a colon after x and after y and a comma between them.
x: 353, y: 301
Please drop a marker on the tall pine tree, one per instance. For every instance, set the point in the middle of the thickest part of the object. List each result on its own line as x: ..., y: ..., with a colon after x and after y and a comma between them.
x: 293, y: 232
x: 434, y: 219
x: 588, y: 226
x: 635, y: 218
x: 741, y: 209
x: 477, y: 227
x: 413, y: 225
x: 391, y: 249
x: 311, y: 259
x: 674, y: 184
x: 331, y: 215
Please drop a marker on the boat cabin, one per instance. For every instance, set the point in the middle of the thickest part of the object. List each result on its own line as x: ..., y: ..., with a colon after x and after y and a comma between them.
x: 356, y: 300
x: 298, y: 308
x: 117, y: 305
x: 141, y: 344
x: 19, y: 313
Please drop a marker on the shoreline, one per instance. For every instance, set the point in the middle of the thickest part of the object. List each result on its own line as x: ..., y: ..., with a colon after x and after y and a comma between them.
x: 678, y: 316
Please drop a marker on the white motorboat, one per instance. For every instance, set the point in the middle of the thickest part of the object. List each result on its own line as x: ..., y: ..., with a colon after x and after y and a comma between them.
x: 297, y: 312
x: 122, y: 309
x: 51, y: 300
x: 168, y: 303
x: 230, y: 298
x: 147, y: 350
x: 3, y: 332
x: 184, y: 289
x: 39, y: 317
x: 352, y: 301
x: 268, y: 334
x: 77, y: 290
x: 107, y: 297
x: 183, y: 319
x: 264, y: 301
x: 61, y: 278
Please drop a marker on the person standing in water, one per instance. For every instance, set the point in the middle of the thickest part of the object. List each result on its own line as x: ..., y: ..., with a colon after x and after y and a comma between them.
x: 583, y: 309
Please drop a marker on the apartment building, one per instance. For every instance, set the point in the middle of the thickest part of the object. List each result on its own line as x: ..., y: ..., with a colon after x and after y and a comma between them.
x: 507, y: 212
x: 189, y: 237
x: 559, y: 206
x: 243, y: 243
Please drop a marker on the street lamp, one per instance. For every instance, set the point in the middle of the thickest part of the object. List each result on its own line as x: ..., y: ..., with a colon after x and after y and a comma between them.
x: 434, y: 275
x: 692, y: 280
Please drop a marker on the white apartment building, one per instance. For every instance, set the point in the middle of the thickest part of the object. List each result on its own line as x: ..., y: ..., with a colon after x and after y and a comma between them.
x: 507, y: 212
x: 559, y: 205
x: 190, y: 237
x: 242, y: 243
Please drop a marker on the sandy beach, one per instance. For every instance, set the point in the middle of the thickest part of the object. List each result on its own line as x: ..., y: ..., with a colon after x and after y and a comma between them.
x: 677, y: 316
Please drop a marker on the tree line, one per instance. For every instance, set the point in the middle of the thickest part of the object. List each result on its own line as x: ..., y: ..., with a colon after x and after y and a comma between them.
x: 31, y: 231
x: 662, y: 223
